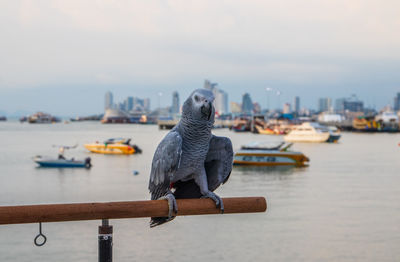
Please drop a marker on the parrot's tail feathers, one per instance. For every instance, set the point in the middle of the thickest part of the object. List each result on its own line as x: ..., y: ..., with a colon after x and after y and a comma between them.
x: 156, y: 221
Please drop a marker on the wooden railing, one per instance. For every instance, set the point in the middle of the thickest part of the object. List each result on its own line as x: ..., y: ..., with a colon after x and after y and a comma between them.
x: 128, y: 209
x: 116, y: 210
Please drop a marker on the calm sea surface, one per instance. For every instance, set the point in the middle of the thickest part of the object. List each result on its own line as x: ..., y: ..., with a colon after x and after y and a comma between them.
x: 344, y: 207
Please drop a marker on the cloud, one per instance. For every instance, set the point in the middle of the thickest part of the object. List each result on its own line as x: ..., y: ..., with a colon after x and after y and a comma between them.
x: 103, y: 78
x: 290, y: 42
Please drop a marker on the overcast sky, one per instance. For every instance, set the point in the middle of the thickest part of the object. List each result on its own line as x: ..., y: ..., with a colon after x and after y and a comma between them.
x: 62, y: 56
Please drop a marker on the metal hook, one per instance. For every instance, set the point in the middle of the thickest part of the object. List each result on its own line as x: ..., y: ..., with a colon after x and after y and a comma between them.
x: 40, y: 235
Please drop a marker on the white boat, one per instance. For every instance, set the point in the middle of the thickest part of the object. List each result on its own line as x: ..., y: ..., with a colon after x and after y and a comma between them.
x: 311, y: 132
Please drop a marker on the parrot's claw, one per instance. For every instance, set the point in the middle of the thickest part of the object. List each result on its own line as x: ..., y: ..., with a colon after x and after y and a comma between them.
x: 218, y: 201
x: 172, y: 206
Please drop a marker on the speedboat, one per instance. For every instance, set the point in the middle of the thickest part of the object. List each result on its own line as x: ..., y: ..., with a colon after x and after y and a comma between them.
x: 114, y: 146
x: 311, y: 132
x: 258, y: 155
x: 61, y: 162
x: 267, y: 131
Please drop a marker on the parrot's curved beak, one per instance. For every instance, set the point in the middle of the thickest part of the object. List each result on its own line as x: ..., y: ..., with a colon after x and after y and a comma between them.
x: 206, y: 110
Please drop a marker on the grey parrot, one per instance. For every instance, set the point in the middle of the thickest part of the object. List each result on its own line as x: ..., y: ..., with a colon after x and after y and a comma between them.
x: 190, y: 162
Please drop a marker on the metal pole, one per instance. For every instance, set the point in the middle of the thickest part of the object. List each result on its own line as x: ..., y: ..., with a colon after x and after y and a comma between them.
x: 105, y: 241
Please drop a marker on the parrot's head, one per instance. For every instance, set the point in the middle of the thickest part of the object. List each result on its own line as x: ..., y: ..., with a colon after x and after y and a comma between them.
x: 199, y: 105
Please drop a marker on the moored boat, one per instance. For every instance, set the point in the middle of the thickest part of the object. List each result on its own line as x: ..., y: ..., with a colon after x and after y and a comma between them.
x: 334, y: 135
x: 114, y: 146
x: 61, y: 162
x: 267, y: 131
x: 312, y: 132
x: 241, y: 124
x: 42, y: 118
x: 272, y: 156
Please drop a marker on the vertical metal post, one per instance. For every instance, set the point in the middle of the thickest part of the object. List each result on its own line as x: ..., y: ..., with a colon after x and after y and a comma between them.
x: 105, y: 241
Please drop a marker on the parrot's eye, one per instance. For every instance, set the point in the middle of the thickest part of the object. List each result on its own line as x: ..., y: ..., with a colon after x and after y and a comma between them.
x: 197, y: 98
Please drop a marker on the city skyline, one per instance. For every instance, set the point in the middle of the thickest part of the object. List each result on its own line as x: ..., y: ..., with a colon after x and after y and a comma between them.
x: 164, y: 100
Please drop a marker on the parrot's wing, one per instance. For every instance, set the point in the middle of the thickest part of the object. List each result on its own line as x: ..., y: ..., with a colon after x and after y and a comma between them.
x: 218, y: 163
x: 166, y: 161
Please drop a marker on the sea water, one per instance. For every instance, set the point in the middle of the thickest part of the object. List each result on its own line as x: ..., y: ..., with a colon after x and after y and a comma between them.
x: 344, y: 207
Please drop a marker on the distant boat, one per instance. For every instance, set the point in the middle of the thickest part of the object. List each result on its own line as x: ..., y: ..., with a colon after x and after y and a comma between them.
x: 366, y: 124
x: 241, y: 124
x: 269, y: 156
x: 267, y: 131
x: 61, y: 162
x: 311, y: 132
x: 3, y: 118
x: 42, y: 118
x: 114, y: 146
x: 334, y: 134
x: 87, y: 118
x: 389, y: 121
x: 385, y: 122
x: 167, y: 122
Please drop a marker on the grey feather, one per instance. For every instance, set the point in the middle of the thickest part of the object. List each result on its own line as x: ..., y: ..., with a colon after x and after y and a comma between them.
x: 218, y: 163
x: 166, y: 161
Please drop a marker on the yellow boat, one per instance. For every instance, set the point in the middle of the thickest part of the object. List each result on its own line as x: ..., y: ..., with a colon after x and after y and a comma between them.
x: 114, y: 146
x: 266, y: 131
x: 278, y: 156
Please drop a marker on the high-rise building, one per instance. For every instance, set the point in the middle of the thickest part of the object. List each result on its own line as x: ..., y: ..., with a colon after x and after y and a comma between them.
x: 351, y: 104
x: 221, y: 102
x: 339, y: 105
x: 129, y: 103
x: 146, y: 104
x: 286, y: 108
x: 175, y: 103
x: 296, y: 105
x: 108, y: 101
x: 137, y: 104
x: 121, y: 106
x: 140, y: 104
x: 324, y: 104
x: 354, y: 106
x: 209, y: 85
x: 247, y: 104
x: 236, y: 107
x: 256, y: 108
x: 396, y: 105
